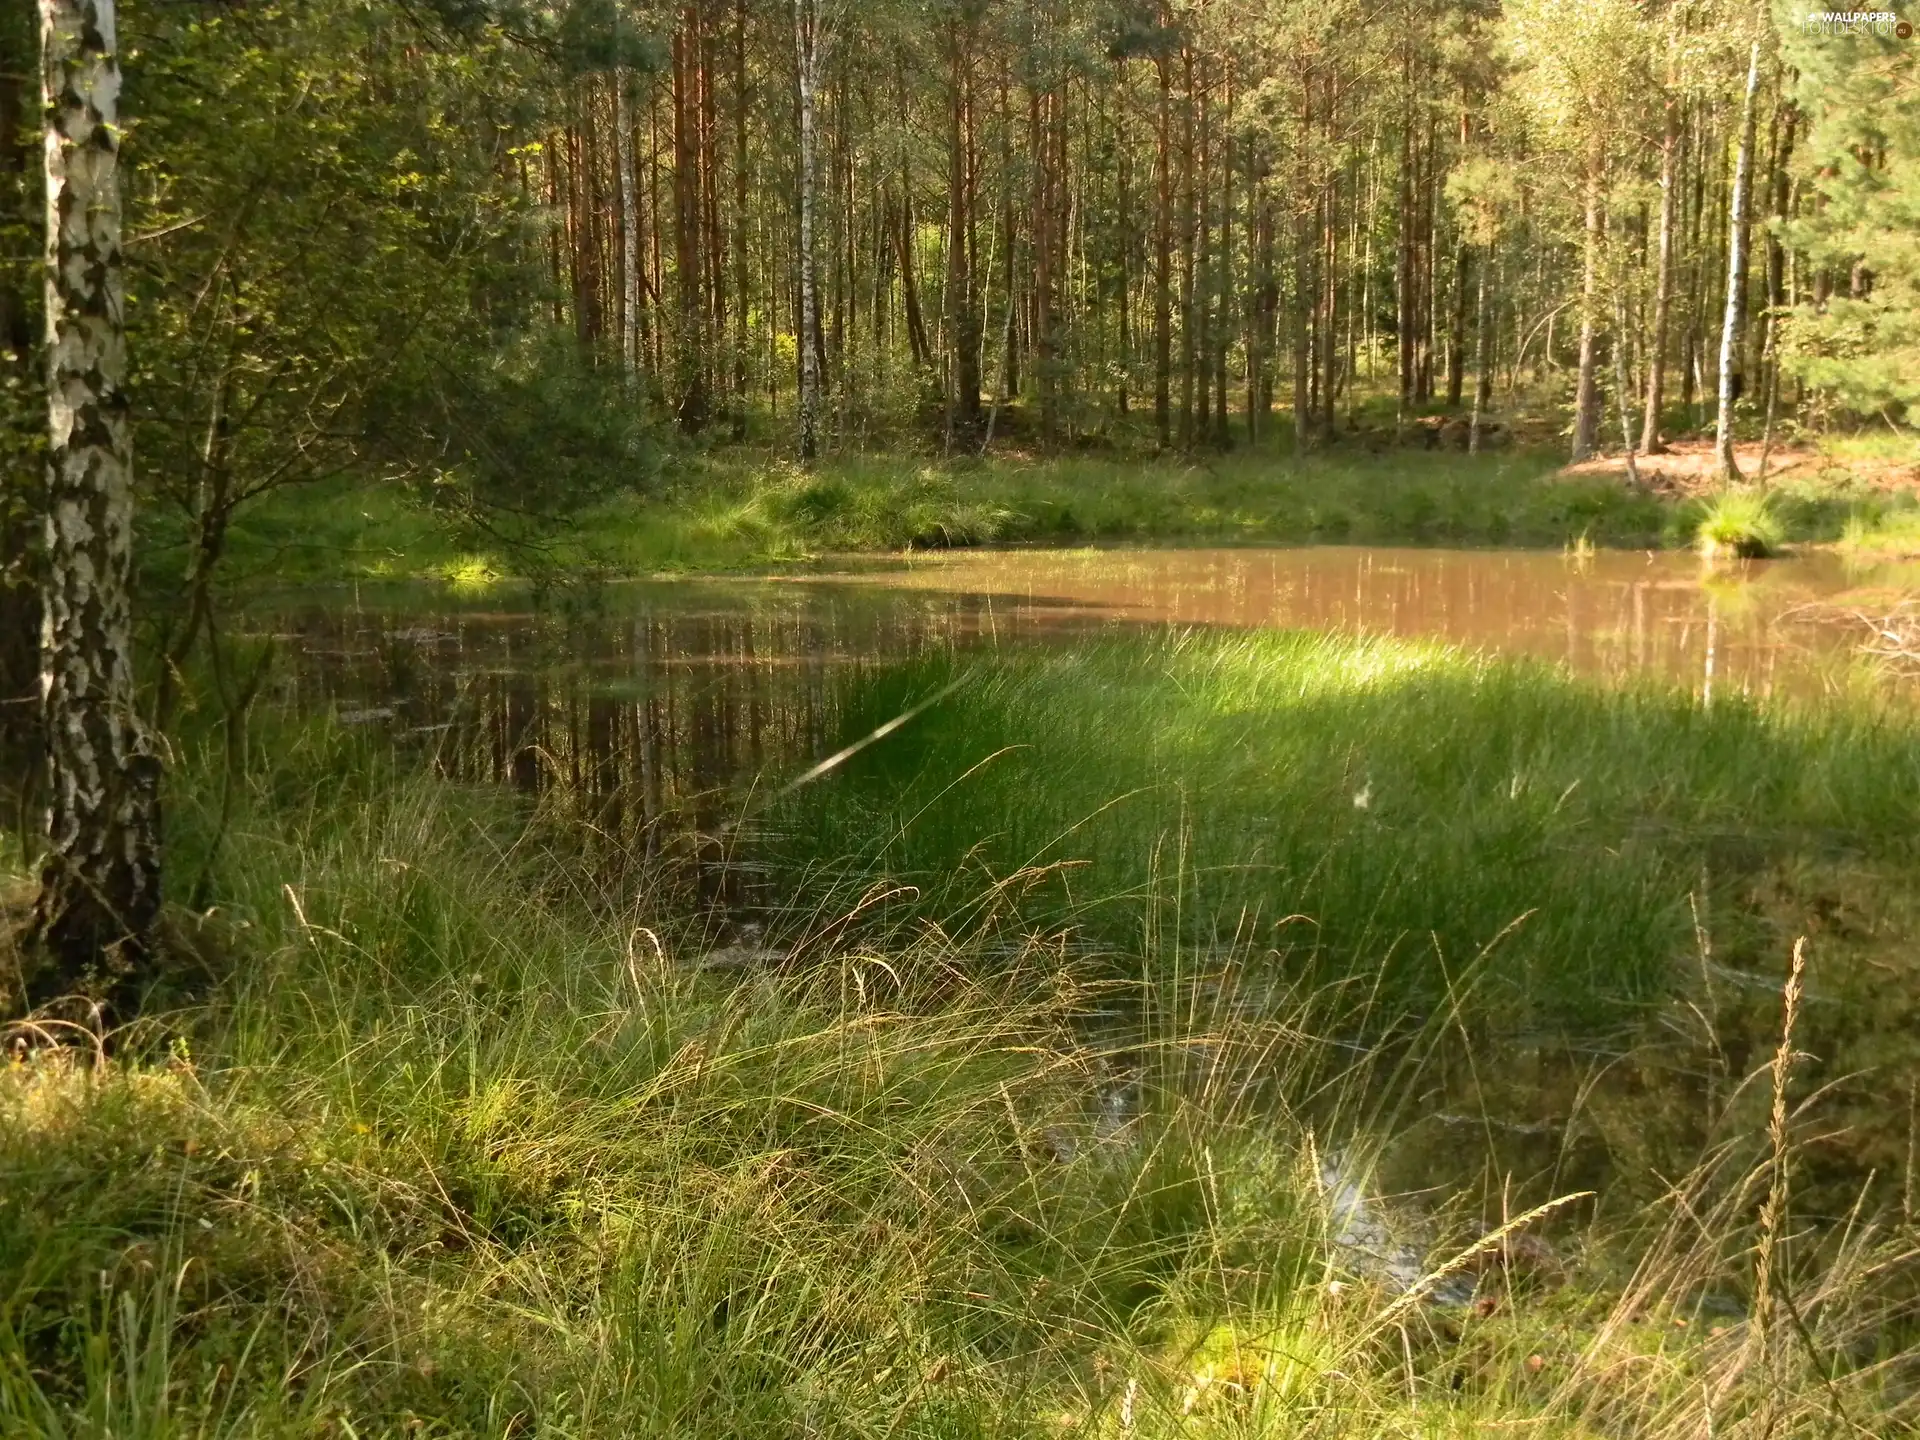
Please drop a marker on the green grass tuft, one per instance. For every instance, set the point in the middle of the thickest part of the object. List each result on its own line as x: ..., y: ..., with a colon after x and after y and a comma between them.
x: 1740, y: 523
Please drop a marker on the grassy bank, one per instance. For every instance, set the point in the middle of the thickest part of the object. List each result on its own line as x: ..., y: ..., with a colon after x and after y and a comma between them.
x: 745, y: 508
x: 739, y: 510
x: 454, y: 1148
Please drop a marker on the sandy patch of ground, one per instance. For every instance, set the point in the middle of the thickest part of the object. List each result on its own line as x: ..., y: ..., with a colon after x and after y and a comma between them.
x: 1687, y: 467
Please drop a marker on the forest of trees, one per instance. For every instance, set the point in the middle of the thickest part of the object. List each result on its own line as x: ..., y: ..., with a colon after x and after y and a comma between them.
x: 502, y: 252
x: 356, y: 225
x: 1180, y: 210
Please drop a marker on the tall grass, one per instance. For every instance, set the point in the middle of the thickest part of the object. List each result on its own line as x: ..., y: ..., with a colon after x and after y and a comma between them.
x: 1383, y: 813
x: 452, y: 1147
x: 1740, y: 523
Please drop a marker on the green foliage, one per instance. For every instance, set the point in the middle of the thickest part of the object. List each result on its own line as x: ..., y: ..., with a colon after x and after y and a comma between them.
x: 449, y: 1152
x: 1860, y: 158
x: 332, y: 276
x: 534, y: 432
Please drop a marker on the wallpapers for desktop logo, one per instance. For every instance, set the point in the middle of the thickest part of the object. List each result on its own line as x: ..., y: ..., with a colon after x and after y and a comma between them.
x: 1883, y: 23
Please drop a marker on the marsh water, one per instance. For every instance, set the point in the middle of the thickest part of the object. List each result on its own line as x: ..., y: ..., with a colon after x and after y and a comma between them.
x: 679, y: 693
x: 658, y: 709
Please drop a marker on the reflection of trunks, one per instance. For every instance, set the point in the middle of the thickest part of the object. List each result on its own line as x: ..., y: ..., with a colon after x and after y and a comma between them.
x: 1852, y: 22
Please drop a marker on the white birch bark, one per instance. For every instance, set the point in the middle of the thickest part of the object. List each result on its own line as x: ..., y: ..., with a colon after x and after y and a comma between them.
x: 100, y: 882
x: 1736, y: 275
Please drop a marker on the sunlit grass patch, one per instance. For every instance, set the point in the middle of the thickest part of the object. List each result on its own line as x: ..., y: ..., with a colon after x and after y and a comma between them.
x: 1391, y: 815
x: 470, y: 575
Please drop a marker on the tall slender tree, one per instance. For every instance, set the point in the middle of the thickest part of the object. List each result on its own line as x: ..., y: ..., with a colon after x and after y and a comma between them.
x: 807, y: 41
x: 99, y: 894
x: 1736, y: 275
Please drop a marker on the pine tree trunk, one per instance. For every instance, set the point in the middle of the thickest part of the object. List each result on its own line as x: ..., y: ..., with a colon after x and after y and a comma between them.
x: 1303, y: 289
x: 909, y: 287
x: 1403, y: 269
x: 1203, y: 268
x: 689, y: 251
x: 963, y: 321
x: 1457, y: 326
x: 1329, y: 322
x: 100, y: 881
x: 1586, y: 405
x: 1690, y: 356
x: 739, y: 377
x: 1189, y: 236
x: 1163, y: 263
x: 1777, y: 297
x: 1662, y: 286
x: 1481, y: 387
x: 629, y: 230
x: 806, y: 46
x: 714, y: 261
x: 1224, y: 286
x: 1424, y: 335
x: 1736, y: 277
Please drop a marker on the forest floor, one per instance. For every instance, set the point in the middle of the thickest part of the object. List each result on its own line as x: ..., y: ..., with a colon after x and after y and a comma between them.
x: 460, y: 1133
x: 1686, y: 469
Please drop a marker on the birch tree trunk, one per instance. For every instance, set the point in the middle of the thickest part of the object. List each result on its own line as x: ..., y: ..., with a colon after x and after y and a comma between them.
x: 807, y: 54
x: 100, y: 881
x: 19, y: 505
x: 1736, y: 275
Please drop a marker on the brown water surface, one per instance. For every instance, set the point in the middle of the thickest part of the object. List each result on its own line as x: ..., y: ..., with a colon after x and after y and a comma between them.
x: 1761, y: 627
x: 653, y: 703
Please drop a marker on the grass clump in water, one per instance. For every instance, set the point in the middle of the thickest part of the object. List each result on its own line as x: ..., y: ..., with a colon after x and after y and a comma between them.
x: 1395, y: 818
x: 1740, y: 523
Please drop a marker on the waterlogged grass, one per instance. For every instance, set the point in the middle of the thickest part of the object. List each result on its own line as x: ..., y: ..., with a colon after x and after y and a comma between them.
x: 1740, y: 523
x: 1405, y: 820
x: 454, y: 1149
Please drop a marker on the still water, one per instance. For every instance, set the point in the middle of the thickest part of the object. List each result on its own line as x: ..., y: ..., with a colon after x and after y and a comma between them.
x: 656, y: 705
x: 701, y: 682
